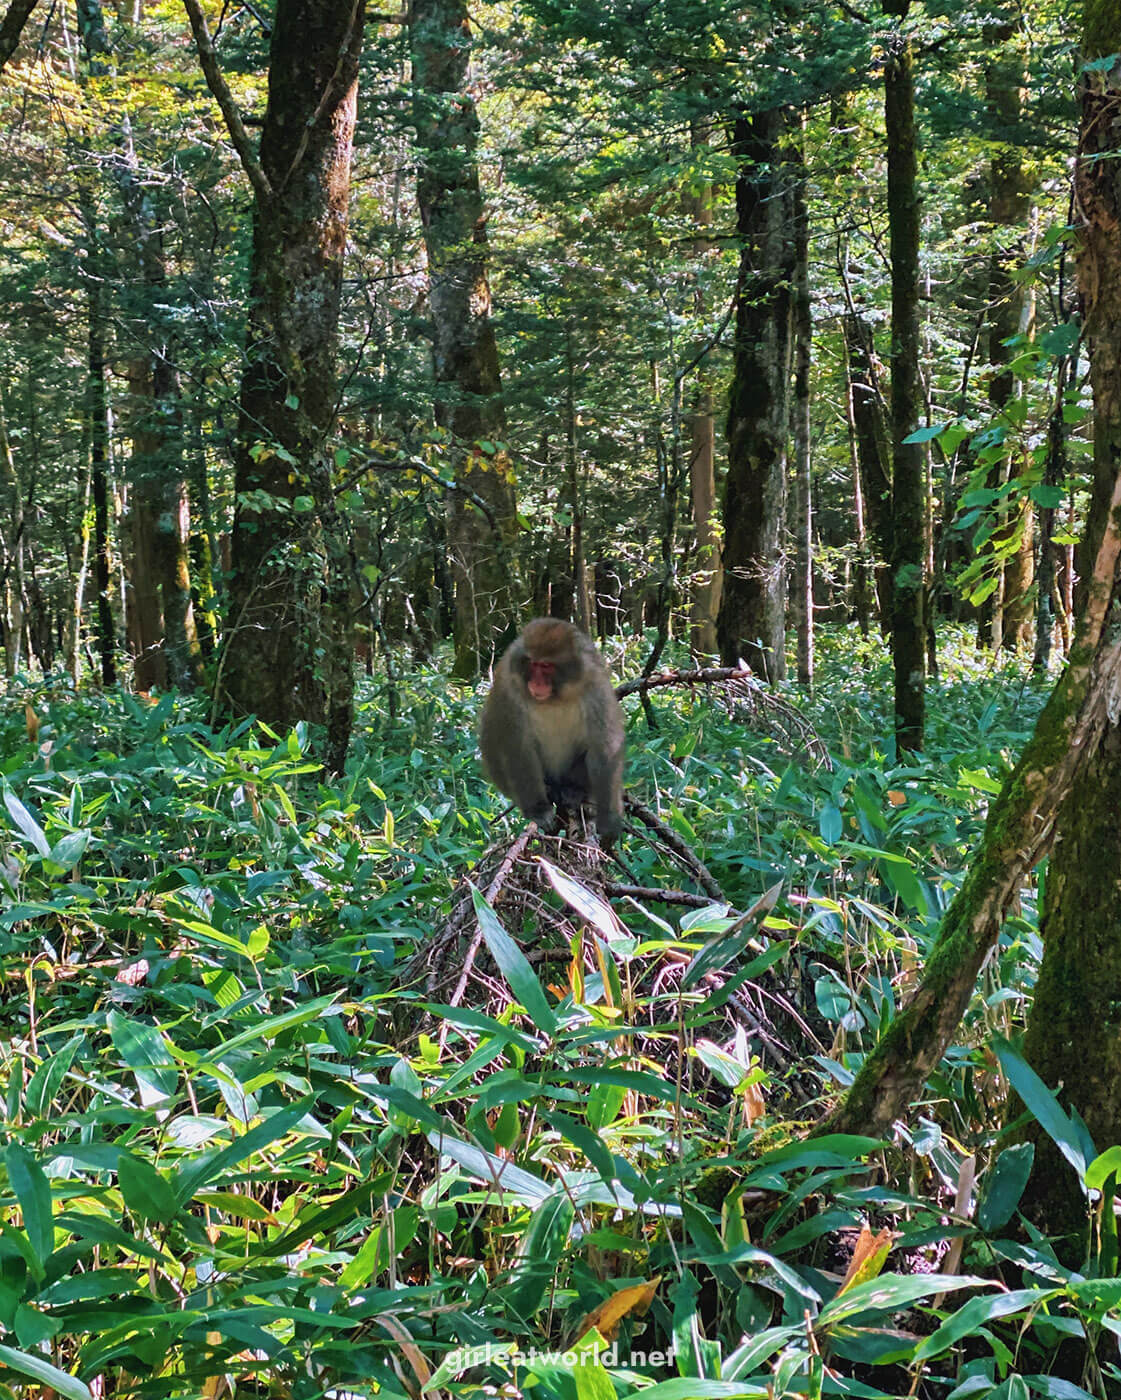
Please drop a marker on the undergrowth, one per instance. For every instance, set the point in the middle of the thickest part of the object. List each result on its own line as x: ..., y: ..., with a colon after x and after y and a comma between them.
x: 245, y: 1157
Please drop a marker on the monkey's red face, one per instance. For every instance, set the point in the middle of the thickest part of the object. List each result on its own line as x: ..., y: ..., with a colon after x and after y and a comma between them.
x: 541, y: 679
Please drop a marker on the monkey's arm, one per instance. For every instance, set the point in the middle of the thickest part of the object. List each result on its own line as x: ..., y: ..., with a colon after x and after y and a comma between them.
x: 511, y: 760
x: 605, y: 768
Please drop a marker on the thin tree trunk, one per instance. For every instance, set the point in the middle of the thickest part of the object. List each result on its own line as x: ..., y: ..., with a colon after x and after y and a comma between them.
x: 708, y: 572
x: 97, y: 409
x: 16, y: 552
x: 74, y: 626
x: 752, y: 619
x: 465, y: 353
x: 582, y: 603
x: 1054, y: 474
x: 1010, y: 303
x: 871, y: 451
x: 908, y: 507
x: 803, y: 348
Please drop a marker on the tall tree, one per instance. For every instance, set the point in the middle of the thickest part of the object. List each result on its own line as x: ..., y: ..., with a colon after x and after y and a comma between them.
x: 708, y: 571
x: 1074, y: 1031
x: 288, y: 642
x: 908, y: 485
x: 752, y: 620
x: 1010, y: 303
x: 161, y: 620
x: 803, y: 589
x: 464, y: 350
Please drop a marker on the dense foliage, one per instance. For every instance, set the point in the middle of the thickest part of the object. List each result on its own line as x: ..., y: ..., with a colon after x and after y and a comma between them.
x: 222, y: 1160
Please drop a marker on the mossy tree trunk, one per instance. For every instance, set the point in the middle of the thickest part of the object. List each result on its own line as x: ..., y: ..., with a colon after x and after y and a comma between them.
x: 1074, y: 1031
x: 464, y: 350
x: 1011, y: 307
x: 289, y: 652
x: 752, y: 619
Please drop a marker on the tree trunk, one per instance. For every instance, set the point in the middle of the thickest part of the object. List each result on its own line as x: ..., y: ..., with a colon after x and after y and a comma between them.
x: 803, y: 500
x: 288, y: 651
x: 465, y: 354
x: 908, y: 504
x: 1009, y: 206
x: 871, y: 452
x: 11, y: 27
x: 1066, y: 783
x: 1054, y: 474
x: 97, y: 410
x: 15, y: 551
x: 1074, y: 1031
x: 752, y: 619
x: 708, y: 572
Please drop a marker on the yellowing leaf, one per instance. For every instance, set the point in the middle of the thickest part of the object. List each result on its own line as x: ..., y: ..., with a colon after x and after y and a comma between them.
x: 867, y: 1258
x: 636, y: 1298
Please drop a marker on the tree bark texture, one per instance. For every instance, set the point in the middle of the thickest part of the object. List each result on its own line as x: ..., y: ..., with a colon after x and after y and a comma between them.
x: 1009, y: 206
x: 908, y: 553
x: 871, y: 451
x: 803, y: 497
x: 288, y: 652
x: 11, y: 27
x: 1074, y: 1030
x: 752, y: 619
x: 468, y: 405
x: 708, y: 571
x: 97, y: 411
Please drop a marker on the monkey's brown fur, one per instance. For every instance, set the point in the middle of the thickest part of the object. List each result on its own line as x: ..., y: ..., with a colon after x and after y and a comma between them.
x: 551, y: 731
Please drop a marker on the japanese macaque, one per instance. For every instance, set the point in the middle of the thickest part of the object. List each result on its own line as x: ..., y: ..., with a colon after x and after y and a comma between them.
x: 551, y: 730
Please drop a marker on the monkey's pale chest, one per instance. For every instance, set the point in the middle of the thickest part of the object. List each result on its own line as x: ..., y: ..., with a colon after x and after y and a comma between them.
x: 559, y: 734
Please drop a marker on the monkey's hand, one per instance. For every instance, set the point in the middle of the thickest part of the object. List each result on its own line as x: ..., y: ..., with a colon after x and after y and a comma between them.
x: 548, y: 822
x: 609, y: 825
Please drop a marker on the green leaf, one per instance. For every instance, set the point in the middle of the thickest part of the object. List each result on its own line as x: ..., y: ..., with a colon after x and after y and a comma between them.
x: 146, y: 1192
x: 144, y: 1050
x: 1048, y: 497
x: 1106, y: 1164
x: 540, y: 1252
x: 25, y: 822
x: 926, y: 434
x: 976, y: 1314
x: 46, y: 1374
x: 1042, y: 1104
x: 892, y: 1292
x: 45, y: 1082
x: 210, y: 1167
x: 65, y: 854
x: 496, y: 1172
x: 830, y: 823
x: 33, y: 1192
x: 514, y: 966
x: 1004, y: 1185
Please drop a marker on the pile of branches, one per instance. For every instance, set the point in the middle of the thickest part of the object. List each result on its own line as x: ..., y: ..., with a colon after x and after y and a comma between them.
x: 559, y: 886
x: 749, y: 701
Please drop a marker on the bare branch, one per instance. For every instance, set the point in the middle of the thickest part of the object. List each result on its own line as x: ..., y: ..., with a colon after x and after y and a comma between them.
x: 219, y: 90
